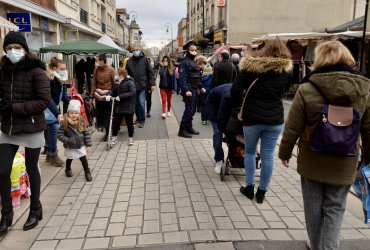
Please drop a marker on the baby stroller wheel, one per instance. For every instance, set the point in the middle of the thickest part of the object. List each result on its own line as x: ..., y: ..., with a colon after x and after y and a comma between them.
x: 108, y: 147
x: 223, y: 172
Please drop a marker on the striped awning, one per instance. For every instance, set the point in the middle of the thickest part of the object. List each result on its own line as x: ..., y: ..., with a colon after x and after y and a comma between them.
x: 6, y: 26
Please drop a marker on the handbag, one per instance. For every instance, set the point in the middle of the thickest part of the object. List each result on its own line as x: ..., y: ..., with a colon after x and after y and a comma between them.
x: 234, y: 125
x: 240, y: 114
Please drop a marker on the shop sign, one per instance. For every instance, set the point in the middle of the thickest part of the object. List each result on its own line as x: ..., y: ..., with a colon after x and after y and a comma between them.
x: 217, y: 37
x: 221, y: 3
x: 22, y: 20
x: 44, y: 23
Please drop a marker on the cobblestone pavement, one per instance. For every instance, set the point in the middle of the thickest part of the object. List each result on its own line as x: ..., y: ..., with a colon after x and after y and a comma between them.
x: 166, y: 192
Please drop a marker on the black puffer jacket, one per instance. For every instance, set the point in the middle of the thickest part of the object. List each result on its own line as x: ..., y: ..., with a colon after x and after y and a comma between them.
x: 140, y: 70
x: 263, y: 105
x: 127, y: 94
x: 73, y: 139
x: 26, y: 86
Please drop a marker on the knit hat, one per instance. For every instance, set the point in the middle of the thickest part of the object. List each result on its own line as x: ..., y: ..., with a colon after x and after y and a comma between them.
x: 207, y: 70
x: 15, y: 37
x: 74, y: 106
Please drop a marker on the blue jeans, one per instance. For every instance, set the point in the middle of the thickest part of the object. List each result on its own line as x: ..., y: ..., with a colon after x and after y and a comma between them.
x: 217, y: 143
x: 269, y: 135
x: 140, y: 105
x: 190, y: 108
x: 52, y: 137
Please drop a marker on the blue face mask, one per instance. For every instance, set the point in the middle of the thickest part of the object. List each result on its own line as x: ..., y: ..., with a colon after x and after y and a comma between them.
x: 15, y: 55
x: 116, y: 78
x: 242, y: 53
x: 62, y: 74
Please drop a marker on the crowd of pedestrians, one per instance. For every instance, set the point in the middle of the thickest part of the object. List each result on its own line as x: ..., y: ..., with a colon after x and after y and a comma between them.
x: 240, y: 96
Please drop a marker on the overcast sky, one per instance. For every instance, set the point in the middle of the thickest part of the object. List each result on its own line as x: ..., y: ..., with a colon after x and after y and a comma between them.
x: 152, y: 15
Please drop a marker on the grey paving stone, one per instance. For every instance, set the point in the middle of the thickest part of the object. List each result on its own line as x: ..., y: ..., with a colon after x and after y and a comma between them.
x: 150, y: 239
x: 168, y: 208
x: 124, y: 241
x: 188, y: 223
x: 204, y: 217
x: 224, y: 223
x: 168, y: 218
x: 214, y: 201
x: 70, y: 244
x: 270, y: 215
x: 120, y: 206
x: 132, y: 230
x: 102, y: 212
x: 257, y: 222
x: 95, y: 234
x: 135, y: 210
x: 237, y: 216
x: 201, y: 236
x: 215, y: 246
x: 99, y: 224
x: 72, y: 214
x: 48, y: 233
x: 152, y: 214
x: 218, y: 211
x: 176, y: 237
x: 106, y: 202
x: 298, y: 234
x: 139, y: 200
x: 277, y: 235
x: 96, y: 243
x: 283, y: 211
x: 276, y: 224
x: 292, y: 222
x: 123, y: 197
x: 134, y: 221
x: 118, y: 217
x: 185, y: 212
x: 77, y: 232
x: 251, y: 210
x: 61, y: 236
x: 63, y: 210
x: 227, y: 235
x: 252, y: 234
x: 151, y: 226
x: 242, y: 224
x: 115, y: 229
x: 44, y: 245
x: 170, y: 228
x: 351, y: 234
x: 92, y: 199
x: 56, y: 221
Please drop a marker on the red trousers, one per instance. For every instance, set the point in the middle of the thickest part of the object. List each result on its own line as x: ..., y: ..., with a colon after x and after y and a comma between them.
x: 166, y: 96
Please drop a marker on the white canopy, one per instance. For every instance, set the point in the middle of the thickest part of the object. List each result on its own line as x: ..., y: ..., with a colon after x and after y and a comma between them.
x: 311, y: 35
x: 106, y: 40
x: 6, y: 24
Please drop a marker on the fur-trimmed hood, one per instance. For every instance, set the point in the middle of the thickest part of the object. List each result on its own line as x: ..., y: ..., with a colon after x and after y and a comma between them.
x: 261, y: 65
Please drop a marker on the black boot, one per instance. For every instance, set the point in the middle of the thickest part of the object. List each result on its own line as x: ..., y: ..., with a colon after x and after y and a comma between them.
x: 248, y: 191
x: 260, y: 195
x: 191, y: 130
x: 33, y: 219
x: 68, y: 172
x: 88, y: 174
x: 184, y: 133
x: 6, y: 221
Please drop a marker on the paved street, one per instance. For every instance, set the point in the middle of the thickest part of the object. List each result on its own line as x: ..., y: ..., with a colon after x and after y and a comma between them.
x: 163, y: 193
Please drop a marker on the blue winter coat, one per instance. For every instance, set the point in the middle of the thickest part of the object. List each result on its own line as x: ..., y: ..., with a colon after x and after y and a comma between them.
x: 214, y: 100
x: 163, y: 79
x: 58, y: 93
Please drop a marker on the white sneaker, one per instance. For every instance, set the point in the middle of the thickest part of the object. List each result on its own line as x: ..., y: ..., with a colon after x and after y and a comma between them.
x: 114, y: 140
x: 218, y: 167
x: 168, y: 114
x: 130, y: 141
x: 163, y: 115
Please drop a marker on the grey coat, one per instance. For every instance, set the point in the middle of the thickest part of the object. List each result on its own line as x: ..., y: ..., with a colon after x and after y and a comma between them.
x: 73, y: 139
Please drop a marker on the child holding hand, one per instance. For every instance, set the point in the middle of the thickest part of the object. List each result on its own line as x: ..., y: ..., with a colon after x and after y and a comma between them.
x: 75, y: 137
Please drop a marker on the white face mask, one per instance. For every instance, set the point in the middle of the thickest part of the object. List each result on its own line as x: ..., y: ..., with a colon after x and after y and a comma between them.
x: 136, y: 53
x: 15, y: 55
x: 165, y: 64
x: 242, y: 53
x: 194, y: 53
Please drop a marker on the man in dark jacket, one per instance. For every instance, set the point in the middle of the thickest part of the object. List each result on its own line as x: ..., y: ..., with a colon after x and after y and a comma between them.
x: 212, y: 112
x: 224, y: 71
x: 138, y: 68
x: 190, y: 77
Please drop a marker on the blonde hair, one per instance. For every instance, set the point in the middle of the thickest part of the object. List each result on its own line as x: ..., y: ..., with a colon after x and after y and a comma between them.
x: 332, y: 53
x: 80, y: 126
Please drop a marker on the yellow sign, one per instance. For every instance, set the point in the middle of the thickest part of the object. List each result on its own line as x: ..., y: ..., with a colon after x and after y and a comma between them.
x: 217, y: 37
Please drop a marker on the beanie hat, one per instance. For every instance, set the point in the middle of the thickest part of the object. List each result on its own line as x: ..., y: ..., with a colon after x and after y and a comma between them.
x: 74, y: 106
x: 15, y: 37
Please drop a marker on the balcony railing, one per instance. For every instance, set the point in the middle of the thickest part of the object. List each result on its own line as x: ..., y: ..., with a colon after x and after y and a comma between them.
x: 103, y: 27
x: 84, y: 16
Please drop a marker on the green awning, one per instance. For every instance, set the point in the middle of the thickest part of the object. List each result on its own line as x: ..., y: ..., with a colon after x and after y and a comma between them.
x: 82, y: 47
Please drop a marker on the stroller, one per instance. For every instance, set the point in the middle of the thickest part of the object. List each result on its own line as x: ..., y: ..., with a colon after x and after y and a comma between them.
x: 235, y: 155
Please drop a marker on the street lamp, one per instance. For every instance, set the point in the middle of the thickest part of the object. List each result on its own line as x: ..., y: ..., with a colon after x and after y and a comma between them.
x: 132, y: 15
x: 167, y: 26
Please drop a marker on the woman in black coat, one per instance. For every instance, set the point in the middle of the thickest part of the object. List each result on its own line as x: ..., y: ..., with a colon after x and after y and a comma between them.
x: 25, y: 93
x: 125, y: 94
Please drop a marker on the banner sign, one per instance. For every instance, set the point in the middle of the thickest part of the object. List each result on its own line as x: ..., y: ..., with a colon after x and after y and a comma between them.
x: 22, y: 20
x: 221, y: 3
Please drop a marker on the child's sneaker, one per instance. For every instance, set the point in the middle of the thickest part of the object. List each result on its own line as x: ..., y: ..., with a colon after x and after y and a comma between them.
x: 208, y: 122
x: 168, y: 114
x: 218, y: 167
x: 114, y: 140
x: 163, y: 115
x: 204, y: 122
x: 130, y: 141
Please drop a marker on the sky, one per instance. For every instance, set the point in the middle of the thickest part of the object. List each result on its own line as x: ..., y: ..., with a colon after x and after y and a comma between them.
x: 152, y: 15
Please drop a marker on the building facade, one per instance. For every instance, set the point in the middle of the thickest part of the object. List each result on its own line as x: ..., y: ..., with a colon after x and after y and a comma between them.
x: 239, y: 21
x: 181, y: 34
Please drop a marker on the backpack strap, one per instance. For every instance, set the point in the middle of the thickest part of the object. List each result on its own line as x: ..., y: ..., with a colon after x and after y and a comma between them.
x: 319, y: 90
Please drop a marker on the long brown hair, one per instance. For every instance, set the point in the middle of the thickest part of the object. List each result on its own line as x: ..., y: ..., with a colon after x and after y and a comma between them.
x: 80, y: 126
x: 170, y: 65
x: 55, y: 62
x: 275, y: 48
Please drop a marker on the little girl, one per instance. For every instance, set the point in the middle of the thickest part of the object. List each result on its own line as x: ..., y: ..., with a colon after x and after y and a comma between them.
x: 76, y: 139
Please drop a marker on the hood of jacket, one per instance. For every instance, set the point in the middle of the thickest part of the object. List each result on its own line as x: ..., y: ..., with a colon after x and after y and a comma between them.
x: 24, y: 65
x: 259, y: 65
x: 339, y: 85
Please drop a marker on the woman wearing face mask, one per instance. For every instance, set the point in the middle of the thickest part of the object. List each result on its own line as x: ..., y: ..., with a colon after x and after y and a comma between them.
x: 167, y: 84
x: 190, y: 77
x: 58, y: 74
x: 25, y: 93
